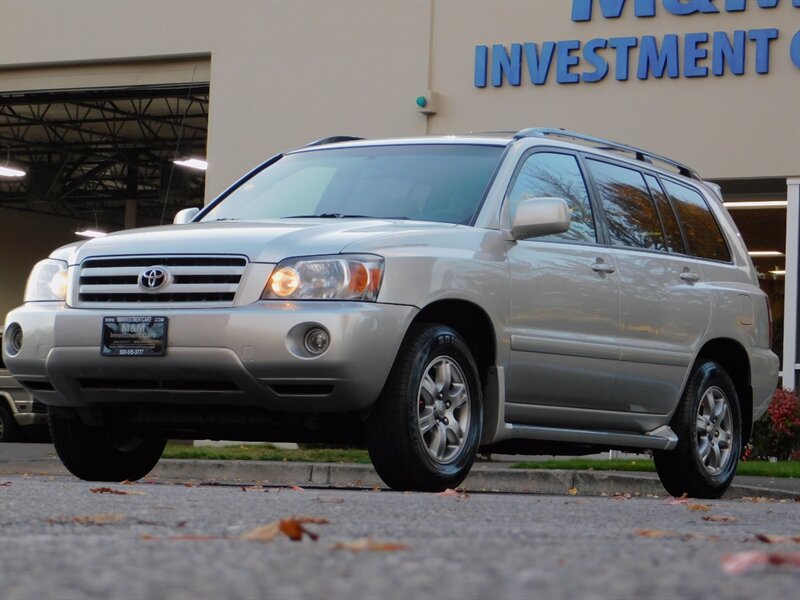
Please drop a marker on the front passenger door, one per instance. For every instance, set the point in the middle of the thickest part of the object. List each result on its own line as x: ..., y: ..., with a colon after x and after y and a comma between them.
x: 564, y: 303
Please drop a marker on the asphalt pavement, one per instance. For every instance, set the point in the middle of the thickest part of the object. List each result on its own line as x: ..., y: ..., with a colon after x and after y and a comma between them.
x: 495, y: 476
x: 65, y: 539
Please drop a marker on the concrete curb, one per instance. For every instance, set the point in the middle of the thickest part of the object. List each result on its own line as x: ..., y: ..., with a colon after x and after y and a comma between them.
x: 483, y: 478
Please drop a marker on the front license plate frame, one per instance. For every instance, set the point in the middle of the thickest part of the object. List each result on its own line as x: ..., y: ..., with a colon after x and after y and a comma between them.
x: 139, y: 335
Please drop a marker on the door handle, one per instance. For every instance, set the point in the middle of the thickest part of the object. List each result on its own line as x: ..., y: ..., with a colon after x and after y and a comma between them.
x: 603, y: 267
x: 690, y: 277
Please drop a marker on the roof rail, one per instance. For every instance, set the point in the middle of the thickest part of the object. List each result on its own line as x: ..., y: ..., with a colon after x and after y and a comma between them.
x: 604, y: 144
x: 334, y: 139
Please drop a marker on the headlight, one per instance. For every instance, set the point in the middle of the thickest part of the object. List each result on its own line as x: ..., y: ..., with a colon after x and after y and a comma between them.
x: 47, y: 282
x: 339, y: 277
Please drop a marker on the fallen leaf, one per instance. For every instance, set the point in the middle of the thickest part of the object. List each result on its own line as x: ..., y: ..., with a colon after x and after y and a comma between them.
x: 741, y: 562
x: 368, y: 545
x: 253, y: 488
x: 720, y: 518
x: 291, y: 528
x: 702, y: 507
x: 108, y: 490
x: 126, y: 482
x: 756, y: 499
x: 451, y: 493
x: 265, y: 533
x: 653, y: 533
x: 98, y: 519
x: 296, y: 488
x: 573, y: 491
x: 190, y: 484
x: 621, y: 496
x: 294, y: 530
x: 376, y: 488
x: 768, y: 538
x: 677, y: 501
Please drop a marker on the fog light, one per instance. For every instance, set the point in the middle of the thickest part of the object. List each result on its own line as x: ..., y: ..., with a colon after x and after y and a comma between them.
x: 14, y: 339
x: 316, y: 341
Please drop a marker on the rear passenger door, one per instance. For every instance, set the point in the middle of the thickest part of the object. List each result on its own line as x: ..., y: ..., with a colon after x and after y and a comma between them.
x: 665, y: 307
x: 564, y: 302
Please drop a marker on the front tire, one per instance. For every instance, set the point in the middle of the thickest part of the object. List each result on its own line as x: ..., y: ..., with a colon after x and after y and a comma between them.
x: 425, y: 427
x: 709, y: 428
x: 92, y: 454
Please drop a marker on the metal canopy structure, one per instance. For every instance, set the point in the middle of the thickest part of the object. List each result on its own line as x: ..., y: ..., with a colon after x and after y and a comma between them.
x: 90, y: 152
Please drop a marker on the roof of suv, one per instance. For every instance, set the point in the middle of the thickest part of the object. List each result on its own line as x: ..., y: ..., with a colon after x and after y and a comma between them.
x: 560, y: 137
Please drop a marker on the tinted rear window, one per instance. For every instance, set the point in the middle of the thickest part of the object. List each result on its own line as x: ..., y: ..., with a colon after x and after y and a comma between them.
x: 703, y: 235
x: 668, y: 220
x: 630, y: 212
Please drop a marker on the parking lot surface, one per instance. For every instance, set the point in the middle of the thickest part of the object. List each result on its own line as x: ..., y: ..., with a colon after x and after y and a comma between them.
x: 63, y: 538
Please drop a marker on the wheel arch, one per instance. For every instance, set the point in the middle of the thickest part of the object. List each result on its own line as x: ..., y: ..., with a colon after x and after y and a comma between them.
x: 733, y: 357
x: 473, y: 324
x: 7, y: 399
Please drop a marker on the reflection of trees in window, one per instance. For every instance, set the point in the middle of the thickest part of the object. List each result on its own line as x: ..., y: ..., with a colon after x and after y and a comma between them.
x: 668, y: 220
x: 630, y: 212
x: 546, y: 175
x: 703, y: 235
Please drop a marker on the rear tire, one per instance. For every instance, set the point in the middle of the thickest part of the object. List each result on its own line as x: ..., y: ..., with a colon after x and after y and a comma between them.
x: 425, y: 427
x: 92, y: 454
x: 709, y: 428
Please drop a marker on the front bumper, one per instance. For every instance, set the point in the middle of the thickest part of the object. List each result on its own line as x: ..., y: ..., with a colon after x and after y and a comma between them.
x: 243, y: 355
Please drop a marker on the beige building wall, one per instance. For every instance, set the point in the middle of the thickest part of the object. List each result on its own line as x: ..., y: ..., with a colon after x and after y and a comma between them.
x: 283, y: 73
x: 725, y: 127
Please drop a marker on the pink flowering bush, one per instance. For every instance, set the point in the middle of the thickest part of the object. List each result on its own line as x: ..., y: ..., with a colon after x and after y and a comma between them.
x: 777, y: 433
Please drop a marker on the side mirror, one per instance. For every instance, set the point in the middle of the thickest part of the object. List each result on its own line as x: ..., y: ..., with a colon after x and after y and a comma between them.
x: 185, y: 216
x: 535, y: 217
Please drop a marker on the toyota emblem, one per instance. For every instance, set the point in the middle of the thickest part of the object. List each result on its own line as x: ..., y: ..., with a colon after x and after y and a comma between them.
x: 153, y: 278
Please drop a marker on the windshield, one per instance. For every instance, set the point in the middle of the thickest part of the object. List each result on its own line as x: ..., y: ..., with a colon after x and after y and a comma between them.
x: 424, y: 182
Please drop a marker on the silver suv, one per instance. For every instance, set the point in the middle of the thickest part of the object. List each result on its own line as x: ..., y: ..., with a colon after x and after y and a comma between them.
x: 543, y: 291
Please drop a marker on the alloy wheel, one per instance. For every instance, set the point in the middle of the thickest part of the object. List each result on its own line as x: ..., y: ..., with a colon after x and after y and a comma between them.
x: 444, y: 409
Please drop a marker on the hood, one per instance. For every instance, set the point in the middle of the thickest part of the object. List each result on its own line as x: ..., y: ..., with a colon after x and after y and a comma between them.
x: 262, y: 241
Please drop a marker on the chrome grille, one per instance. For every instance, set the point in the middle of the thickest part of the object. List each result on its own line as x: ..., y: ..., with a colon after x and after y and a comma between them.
x: 192, y: 279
